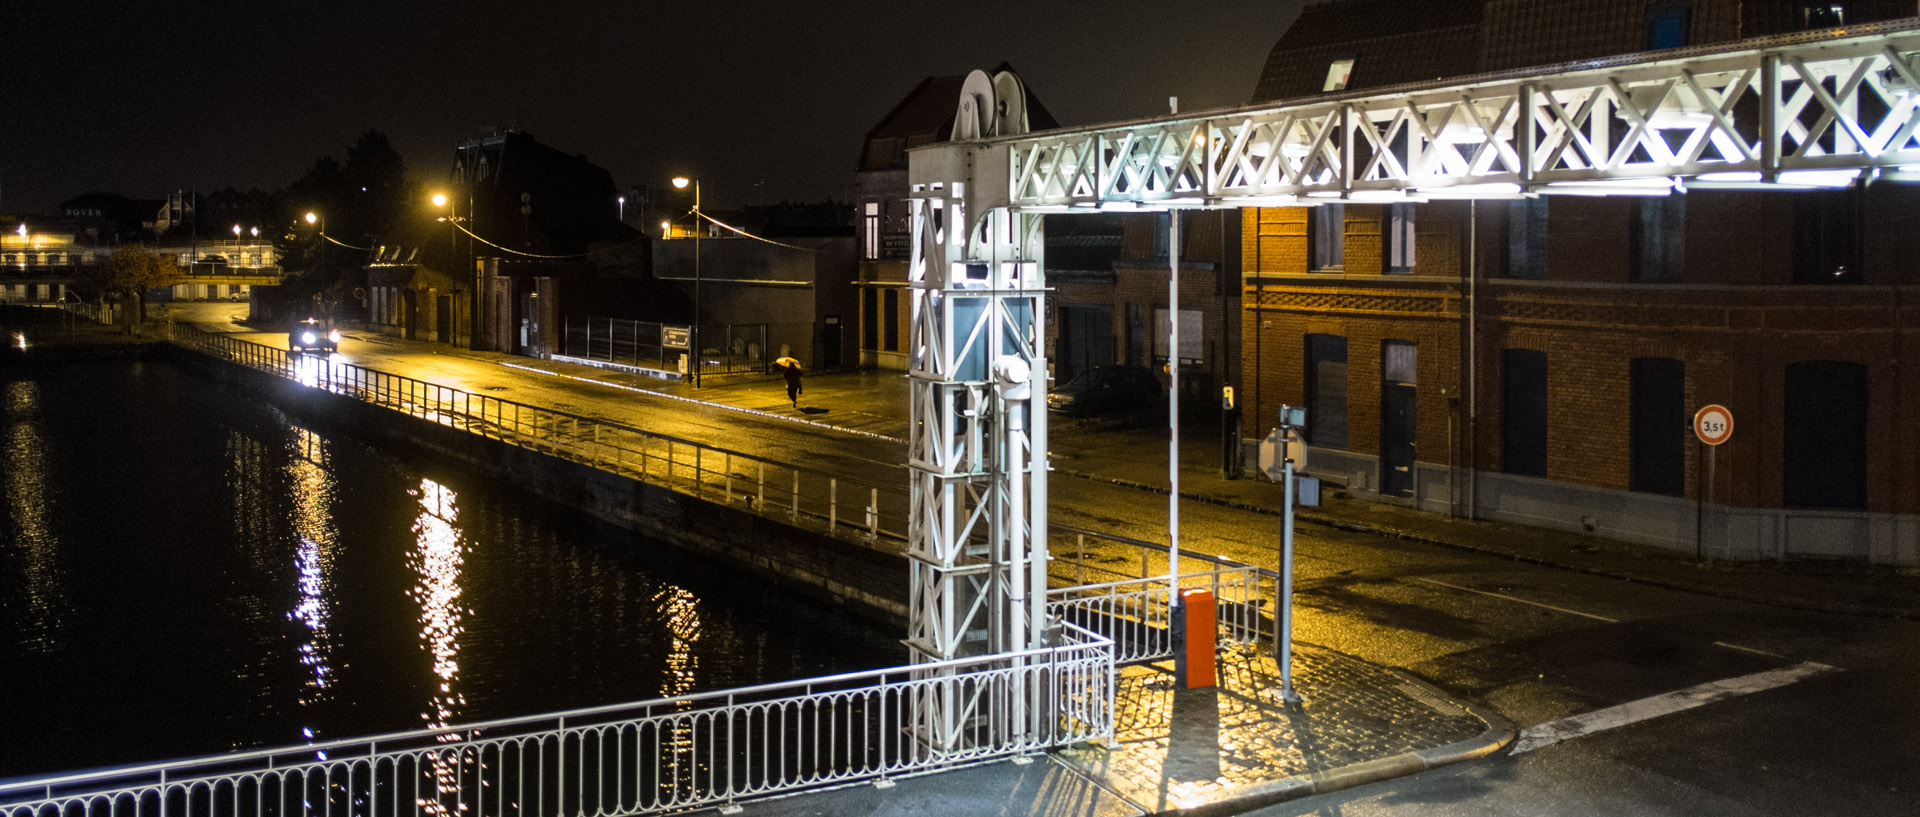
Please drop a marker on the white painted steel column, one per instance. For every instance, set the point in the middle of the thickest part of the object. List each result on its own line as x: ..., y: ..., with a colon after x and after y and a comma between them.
x: 1173, y: 408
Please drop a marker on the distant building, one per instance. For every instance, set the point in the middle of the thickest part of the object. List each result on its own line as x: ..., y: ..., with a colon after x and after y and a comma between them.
x: 521, y: 219
x: 1539, y: 360
x: 924, y: 116
x: 783, y: 280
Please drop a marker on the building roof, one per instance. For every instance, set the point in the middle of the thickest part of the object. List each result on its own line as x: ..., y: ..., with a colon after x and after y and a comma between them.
x: 1389, y: 41
x: 925, y: 116
x: 1398, y: 41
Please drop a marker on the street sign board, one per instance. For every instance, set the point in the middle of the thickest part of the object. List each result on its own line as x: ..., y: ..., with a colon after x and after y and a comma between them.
x: 675, y: 337
x: 1280, y: 446
x: 1713, y: 424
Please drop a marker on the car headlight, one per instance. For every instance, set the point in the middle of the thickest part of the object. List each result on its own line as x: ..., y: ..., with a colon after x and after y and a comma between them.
x: 334, y: 336
x: 306, y: 337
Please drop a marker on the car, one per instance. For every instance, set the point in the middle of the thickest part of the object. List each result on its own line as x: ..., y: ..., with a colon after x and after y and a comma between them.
x: 1106, y: 389
x: 313, y: 337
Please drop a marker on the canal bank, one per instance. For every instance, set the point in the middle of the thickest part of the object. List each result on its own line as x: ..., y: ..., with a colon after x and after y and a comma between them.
x: 869, y: 581
x: 188, y: 569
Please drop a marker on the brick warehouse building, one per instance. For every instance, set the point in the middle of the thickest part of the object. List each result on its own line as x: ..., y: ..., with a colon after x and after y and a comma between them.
x: 1539, y: 360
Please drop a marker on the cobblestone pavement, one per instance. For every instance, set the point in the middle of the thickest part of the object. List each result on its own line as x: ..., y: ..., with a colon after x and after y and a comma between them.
x: 1188, y: 748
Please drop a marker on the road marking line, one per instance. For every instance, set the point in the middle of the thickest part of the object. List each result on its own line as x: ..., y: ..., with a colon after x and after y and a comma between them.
x: 1518, y: 599
x: 1749, y: 649
x: 1547, y: 734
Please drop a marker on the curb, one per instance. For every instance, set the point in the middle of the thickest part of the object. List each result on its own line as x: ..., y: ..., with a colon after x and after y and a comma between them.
x: 1498, y: 734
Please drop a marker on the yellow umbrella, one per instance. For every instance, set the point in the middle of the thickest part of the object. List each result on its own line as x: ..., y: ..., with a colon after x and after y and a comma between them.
x: 786, y: 361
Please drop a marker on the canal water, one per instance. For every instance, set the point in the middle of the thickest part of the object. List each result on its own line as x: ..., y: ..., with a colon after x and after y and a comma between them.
x: 186, y: 570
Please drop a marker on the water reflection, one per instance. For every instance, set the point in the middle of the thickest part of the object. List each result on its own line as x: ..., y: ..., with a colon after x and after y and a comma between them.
x: 436, y: 562
x: 680, y: 613
x: 312, y: 492
x: 37, y: 570
x: 309, y: 370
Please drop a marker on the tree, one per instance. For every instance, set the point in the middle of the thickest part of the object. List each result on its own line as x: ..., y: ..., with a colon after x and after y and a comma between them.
x: 128, y: 274
x: 361, y: 200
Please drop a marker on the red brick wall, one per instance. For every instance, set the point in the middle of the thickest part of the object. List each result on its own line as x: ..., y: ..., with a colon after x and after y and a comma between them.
x: 1736, y: 341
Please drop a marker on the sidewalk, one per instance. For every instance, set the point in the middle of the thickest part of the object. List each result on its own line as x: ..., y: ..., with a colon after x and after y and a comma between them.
x: 1221, y: 750
x: 1137, y: 457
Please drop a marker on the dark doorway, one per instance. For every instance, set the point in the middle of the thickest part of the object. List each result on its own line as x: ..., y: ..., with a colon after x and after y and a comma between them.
x: 1523, y: 425
x: 1327, y: 391
x: 1397, y: 427
x: 411, y: 317
x: 1658, y: 425
x: 443, y: 319
x: 1085, y: 340
x: 1826, y: 435
x: 529, y: 325
x: 829, y: 343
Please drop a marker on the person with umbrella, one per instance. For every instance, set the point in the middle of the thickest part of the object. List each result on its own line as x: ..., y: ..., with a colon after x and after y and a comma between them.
x: 790, y: 369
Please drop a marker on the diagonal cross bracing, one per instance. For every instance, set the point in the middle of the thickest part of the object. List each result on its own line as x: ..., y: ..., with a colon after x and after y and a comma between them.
x: 1827, y: 102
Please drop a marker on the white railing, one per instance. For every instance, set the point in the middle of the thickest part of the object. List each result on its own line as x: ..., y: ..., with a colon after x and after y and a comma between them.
x: 640, y: 758
x: 1117, y: 586
x: 1134, y: 613
x: 803, y: 497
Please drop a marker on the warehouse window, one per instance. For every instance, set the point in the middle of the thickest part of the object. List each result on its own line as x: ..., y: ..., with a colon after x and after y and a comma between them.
x: 1667, y: 25
x: 1825, y: 420
x: 1399, y: 227
x: 890, y: 322
x: 869, y: 319
x: 1327, y: 237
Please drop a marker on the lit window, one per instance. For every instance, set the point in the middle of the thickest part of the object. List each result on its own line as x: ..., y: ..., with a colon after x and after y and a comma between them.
x: 872, y: 227
x: 1337, y: 74
x: 1327, y: 237
x: 1399, y: 224
x: 1823, y: 15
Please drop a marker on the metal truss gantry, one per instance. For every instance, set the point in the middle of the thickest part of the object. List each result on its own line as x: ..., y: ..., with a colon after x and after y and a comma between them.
x: 1808, y: 110
x: 1822, y: 109
x: 978, y: 432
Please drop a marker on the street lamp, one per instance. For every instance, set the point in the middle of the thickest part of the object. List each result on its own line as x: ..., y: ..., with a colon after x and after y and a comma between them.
x: 680, y: 183
x: 314, y: 219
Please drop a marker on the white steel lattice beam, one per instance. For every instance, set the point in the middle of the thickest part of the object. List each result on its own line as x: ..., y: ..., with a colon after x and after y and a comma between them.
x: 1815, y: 109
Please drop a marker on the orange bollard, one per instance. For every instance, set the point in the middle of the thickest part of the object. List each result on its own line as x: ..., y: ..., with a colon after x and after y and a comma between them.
x: 1198, y: 658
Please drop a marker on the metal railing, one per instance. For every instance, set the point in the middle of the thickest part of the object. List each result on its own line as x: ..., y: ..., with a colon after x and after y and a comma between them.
x: 803, y: 497
x: 729, y: 348
x: 1117, y: 586
x: 640, y: 758
x: 1097, y: 585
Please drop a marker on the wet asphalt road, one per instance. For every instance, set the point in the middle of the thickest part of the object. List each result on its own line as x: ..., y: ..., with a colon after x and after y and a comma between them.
x: 1535, y: 644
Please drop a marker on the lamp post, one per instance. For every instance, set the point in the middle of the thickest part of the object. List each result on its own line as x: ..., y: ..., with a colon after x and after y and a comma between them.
x: 314, y: 219
x: 455, y: 259
x: 681, y: 182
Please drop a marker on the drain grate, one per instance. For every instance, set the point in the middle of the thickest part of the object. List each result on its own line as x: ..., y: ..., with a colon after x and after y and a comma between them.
x: 493, y: 388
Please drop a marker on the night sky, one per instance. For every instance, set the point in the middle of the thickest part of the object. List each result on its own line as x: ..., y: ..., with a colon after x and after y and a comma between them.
x: 765, y: 101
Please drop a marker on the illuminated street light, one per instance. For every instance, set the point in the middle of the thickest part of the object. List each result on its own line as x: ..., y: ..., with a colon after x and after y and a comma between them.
x: 680, y: 183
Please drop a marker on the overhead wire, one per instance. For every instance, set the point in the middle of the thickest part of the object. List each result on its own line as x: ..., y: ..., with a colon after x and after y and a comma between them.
x: 751, y: 235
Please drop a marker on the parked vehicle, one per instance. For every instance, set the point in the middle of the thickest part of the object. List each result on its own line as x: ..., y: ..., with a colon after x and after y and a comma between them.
x: 312, y: 336
x: 1107, y: 389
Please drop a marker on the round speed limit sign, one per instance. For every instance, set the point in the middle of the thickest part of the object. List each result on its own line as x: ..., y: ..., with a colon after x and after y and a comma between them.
x: 1713, y: 424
